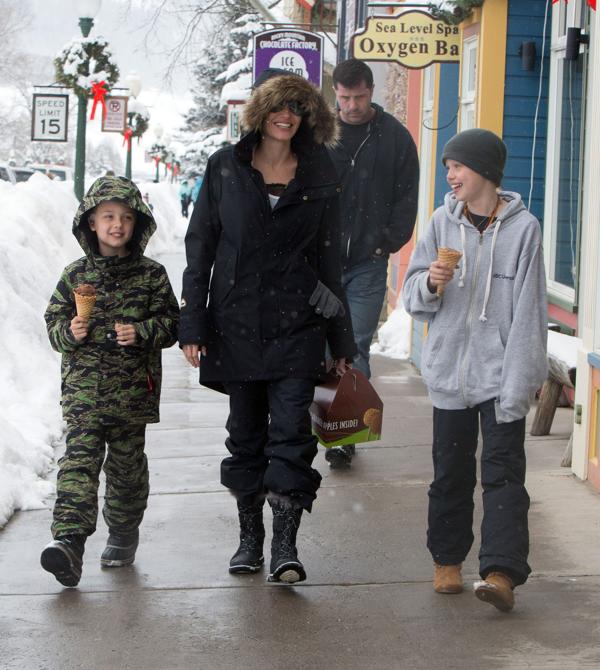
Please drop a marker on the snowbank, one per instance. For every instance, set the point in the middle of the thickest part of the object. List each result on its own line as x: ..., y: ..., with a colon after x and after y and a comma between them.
x: 35, y: 244
x: 393, y: 338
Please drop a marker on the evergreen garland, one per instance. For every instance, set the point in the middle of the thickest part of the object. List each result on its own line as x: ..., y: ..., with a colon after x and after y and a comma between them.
x: 462, y: 10
x: 84, y: 62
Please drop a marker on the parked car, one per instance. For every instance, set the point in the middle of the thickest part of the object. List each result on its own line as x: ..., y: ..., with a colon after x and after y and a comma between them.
x: 14, y: 174
x: 59, y: 172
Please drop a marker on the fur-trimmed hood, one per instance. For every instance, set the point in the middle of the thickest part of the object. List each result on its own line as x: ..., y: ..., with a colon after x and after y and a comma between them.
x: 320, y: 120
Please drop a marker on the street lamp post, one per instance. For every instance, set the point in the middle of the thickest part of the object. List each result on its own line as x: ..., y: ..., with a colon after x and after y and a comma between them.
x: 135, y: 86
x: 89, y: 9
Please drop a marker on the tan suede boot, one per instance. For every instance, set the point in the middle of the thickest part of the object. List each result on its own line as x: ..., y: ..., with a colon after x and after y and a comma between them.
x: 447, y: 578
x: 496, y: 589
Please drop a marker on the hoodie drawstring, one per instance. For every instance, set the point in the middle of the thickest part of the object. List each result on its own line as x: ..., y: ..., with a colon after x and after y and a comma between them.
x: 463, y: 271
x: 488, y: 284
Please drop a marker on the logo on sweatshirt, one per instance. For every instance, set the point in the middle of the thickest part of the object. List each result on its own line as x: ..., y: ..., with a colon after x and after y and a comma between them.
x: 499, y: 275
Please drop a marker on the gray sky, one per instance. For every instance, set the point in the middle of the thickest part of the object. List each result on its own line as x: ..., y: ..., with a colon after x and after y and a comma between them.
x: 124, y: 24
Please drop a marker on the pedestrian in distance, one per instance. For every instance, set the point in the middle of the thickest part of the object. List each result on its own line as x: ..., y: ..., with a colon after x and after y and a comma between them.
x: 483, y: 359
x: 196, y: 188
x: 266, y: 226
x: 111, y: 374
x: 147, y: 201
x: 378, y: 165
x: 185, y: 197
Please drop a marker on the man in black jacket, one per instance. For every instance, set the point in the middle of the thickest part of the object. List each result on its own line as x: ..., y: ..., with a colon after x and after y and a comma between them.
x: 378, y: 165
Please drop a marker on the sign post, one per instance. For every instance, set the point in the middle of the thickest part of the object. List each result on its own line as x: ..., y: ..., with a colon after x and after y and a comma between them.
x: 50, y: 117
x: 297, y: 51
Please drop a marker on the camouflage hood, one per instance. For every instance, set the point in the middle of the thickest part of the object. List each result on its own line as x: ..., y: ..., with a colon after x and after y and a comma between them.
x: 124, y: 191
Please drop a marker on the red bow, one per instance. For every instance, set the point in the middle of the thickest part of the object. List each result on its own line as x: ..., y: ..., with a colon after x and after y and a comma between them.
x: 591, y: 3
x: 156, y: 160
x: 168, y: 166
x: 98, y: 91
x: 127, y: 135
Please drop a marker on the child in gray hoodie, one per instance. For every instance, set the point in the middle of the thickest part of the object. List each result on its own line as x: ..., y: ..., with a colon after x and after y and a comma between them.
x: 483, y: 359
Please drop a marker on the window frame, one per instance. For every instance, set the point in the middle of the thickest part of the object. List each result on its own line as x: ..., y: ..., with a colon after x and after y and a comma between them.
x: 468, y: 95
x: 569, y: 15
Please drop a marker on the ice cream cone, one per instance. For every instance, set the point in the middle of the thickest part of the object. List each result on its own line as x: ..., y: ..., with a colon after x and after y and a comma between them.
x: 450, y: 257
x: 85, y: 299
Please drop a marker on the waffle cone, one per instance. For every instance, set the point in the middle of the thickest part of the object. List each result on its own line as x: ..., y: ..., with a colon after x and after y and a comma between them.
x: 85, y: 305
x: 450, y: 257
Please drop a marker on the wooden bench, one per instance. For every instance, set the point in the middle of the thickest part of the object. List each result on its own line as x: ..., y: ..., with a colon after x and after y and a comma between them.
x: 562, y: 368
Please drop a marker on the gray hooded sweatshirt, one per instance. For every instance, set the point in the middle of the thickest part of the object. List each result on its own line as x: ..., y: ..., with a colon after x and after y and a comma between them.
x: 488, y: 332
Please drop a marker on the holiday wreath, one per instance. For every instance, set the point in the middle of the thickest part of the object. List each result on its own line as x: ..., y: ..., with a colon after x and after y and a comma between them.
x: 85, y: 62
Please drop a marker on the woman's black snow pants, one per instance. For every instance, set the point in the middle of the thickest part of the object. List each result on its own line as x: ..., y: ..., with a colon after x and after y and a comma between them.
x: 504, y: 529
x: 270, y: 441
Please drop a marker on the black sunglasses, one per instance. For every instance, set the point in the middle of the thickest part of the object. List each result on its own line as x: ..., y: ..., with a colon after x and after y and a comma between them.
x: 294, y: 106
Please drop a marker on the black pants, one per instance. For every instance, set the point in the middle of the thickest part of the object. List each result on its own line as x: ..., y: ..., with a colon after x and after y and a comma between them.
x: 185, y: 203
x: 504, y: 530
x: 270, y: 441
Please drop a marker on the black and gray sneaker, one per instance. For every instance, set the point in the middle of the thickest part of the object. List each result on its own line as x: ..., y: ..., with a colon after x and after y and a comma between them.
x: 120, y: 549
x: 64, y: 559
x: 340, y: 457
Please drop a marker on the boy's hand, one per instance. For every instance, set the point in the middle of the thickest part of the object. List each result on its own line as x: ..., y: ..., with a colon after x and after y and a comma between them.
x: 126, y: 335
x: 79, y: 328
x: 439, y: 275
x: 191, y: 351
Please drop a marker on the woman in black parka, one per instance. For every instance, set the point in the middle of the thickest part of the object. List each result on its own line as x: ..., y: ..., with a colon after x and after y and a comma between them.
x: 261, y: 297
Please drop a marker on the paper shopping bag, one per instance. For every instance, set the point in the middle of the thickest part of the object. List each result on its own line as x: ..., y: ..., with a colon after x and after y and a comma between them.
x: 346, y: 410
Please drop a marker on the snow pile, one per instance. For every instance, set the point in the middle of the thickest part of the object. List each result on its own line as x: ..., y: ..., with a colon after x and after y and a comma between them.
x: 36, y: 243
x: 170, y: 225
x: 394, y: 336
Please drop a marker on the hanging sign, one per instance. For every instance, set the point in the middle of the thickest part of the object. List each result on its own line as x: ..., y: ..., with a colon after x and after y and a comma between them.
x: 297, y: 51
x: 234, y: 111
x: 115, y: 119
x: 50, y: 117
x: 414, y: 39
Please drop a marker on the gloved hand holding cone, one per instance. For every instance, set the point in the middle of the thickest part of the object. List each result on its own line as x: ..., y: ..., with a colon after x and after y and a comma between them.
x: 85, y: 299
x: 450, y: 257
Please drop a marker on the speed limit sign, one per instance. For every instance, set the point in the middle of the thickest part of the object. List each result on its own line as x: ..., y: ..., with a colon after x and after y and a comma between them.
x: 50, y: 117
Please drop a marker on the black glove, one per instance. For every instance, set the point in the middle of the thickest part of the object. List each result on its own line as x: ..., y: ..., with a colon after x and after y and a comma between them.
x: 326, y: 302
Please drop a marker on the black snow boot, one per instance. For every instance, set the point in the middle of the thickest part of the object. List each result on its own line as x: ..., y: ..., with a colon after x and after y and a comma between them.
x: 249, y: 555
x: 120, y: 549
x: 64, y: 559
x: 285, y: 566
x: 340, y: 458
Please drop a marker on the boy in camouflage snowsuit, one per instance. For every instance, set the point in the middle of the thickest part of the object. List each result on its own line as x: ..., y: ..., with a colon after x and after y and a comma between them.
x: 111, y: 375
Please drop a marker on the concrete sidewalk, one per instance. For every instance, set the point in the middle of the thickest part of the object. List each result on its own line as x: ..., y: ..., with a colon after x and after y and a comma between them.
x: 368, y: 601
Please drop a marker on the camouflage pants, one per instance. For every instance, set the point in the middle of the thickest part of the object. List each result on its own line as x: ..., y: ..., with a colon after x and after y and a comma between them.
x: 126, y: 470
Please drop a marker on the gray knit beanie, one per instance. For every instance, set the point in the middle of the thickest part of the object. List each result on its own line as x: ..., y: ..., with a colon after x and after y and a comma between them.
x: 479, y: 149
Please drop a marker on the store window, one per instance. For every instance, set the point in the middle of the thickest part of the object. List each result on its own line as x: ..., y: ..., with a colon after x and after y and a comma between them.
x: 564, y: 171
x: 468, y: 85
